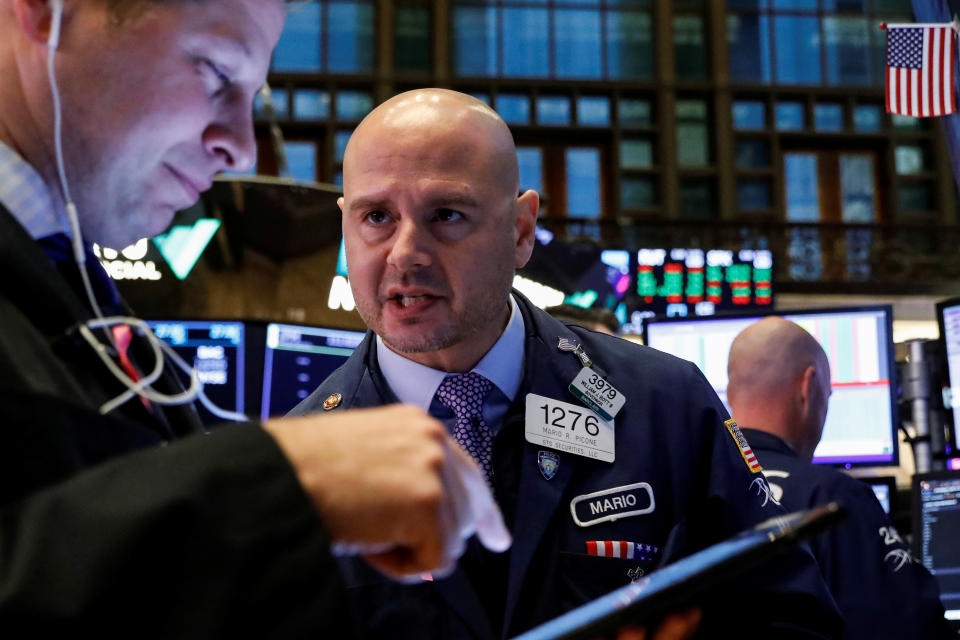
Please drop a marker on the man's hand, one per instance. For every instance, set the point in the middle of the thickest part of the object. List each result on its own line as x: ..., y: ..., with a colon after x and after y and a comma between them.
x: 390, y: 484
x: 676, y: 626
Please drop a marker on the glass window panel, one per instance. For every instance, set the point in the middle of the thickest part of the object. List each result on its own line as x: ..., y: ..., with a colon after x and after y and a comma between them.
x: 688, y: 42
x: 338, y: 178
x: 895, y: 6
x: 583, y: 182
x: 692, y: 147
x: 867, y: 117
x: 795, y: 4
x: 553, y: 110
x: 299, y: 45
x: 748, y: 36
x: 749, y: 114
x: 857, y: 188
x: 530, y: 161
x: 909, y: 160
x: 803, y: 196
x: 301, y: 160
x: 340, y: 140
x: 853, y: 6
x: 789, y: 116
x: 828, y: 117
x: 513, y: 108
x: 915, y: 197
x: 847, y: 51
x: 636, y: 154
x: 350, y: 32
x: 353, y: 105
x: 475, y: 41
x: 593, y: 110
x: 636, y: 112
x: 797, y: 49
x: 411, y: 49
x: 697, y: 200
x: 525, y: 35
x: 905, y: 122
x: 310, y: 104
x: 577, y: 44
x: 281, y: 107
x: 752, y: 154
x: 637, y: 193
x: 692, y: 110
x: 629, y: 45
x: 753, y: 195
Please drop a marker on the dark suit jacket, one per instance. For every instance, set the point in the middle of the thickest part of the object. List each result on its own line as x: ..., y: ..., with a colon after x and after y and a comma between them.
x: 109, y: 524
x: 880, y: 589
x: 670, y: 435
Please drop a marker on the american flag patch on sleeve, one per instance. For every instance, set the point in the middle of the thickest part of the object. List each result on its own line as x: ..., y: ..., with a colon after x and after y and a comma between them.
x: 622, y: 549
x: 748, y: 455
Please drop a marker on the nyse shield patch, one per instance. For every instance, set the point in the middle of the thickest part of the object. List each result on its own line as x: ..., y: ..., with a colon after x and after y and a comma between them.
x: 548, y: 462
x: 612, y: 504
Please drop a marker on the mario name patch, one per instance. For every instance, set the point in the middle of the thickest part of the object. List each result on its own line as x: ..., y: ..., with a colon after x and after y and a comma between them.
x: 748, y: 455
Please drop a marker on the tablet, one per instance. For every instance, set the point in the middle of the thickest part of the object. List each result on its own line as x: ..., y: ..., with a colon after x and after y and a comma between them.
x: 677, y: 585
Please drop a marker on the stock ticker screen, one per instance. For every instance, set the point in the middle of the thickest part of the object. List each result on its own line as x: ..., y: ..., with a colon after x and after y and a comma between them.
x: 297, y: 359
x: 216, y: 350
x: 697, y: 282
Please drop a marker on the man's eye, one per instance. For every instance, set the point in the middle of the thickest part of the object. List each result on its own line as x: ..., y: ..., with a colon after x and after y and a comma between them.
x: 376, y: 217
x: 449, y: 215
x: 218, y: 78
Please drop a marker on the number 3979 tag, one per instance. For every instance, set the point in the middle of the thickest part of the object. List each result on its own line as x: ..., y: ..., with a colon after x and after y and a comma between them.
x: 568, y: 427
x: 590, y: 388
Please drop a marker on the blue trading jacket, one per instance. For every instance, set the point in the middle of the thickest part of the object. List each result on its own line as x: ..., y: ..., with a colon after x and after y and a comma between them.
x: 670, y: 435
x: 881, y: 590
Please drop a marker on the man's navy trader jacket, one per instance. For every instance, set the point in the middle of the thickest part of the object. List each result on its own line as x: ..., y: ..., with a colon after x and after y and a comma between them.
x: 880, y: 589
x: 669, y: 434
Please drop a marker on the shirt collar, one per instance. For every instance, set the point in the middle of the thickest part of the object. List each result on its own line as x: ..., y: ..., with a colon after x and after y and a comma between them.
x: 416, y: 384
x: 24, y: 193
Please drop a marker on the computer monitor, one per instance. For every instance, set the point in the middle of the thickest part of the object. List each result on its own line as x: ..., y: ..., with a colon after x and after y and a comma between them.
x: 948, y: 316
x: 936, y: 530
x: 862, y: 419
x: 297, y: 359
x: 216, y: 349
x: 885, y: 488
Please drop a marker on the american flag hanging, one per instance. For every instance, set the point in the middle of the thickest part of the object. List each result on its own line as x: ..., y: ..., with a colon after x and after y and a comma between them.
x: 920, y: 67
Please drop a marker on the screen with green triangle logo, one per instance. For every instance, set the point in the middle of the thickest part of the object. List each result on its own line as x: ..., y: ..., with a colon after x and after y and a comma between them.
x: 183, y: 245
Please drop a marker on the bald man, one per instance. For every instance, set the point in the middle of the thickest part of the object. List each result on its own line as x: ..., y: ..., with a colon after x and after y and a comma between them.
x: 434, y: 229
x: 778, y: 390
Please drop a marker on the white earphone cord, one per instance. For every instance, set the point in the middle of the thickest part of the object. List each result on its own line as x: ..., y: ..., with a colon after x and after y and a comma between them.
x: 134, y: 388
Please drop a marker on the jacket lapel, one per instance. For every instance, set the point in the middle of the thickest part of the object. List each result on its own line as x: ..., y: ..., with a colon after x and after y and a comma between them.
x: 547, y: 373
x: 371, y: 390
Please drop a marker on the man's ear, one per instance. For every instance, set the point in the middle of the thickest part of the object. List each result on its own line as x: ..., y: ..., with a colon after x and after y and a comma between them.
x: 807, y: 380
x: 34, y: 18
x: 526, y: 208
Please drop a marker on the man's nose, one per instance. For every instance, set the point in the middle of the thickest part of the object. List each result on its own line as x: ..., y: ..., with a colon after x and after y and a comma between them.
x: 411, y: 247
x: 230, y: 138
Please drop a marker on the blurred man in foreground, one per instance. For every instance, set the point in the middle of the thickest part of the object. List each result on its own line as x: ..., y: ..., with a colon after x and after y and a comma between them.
x: 110, y: 517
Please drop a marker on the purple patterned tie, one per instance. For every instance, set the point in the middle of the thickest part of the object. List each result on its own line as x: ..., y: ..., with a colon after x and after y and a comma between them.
x: 464, y: 395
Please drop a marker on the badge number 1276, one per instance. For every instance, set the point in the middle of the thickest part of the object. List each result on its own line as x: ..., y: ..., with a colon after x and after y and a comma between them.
x: 568, y: 427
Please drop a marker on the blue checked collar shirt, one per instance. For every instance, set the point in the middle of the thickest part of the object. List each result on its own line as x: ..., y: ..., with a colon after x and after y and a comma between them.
x: 24, y: 193
x: 414, y: 383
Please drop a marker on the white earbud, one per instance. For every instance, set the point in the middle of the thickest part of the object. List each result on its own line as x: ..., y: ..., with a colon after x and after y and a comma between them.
x: 54, y: 40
